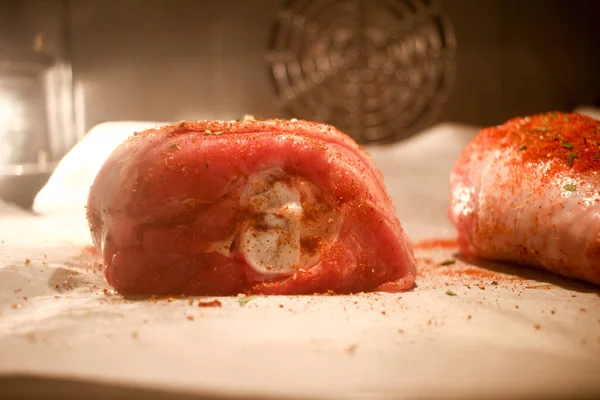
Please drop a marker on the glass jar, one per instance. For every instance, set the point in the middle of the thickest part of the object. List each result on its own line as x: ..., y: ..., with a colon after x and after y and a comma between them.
x: 36, y: 107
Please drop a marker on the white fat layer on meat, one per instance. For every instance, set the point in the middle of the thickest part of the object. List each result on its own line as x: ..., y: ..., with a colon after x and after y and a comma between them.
x: 462, y: 199
x: 222, y: 247
x: 270, y: 243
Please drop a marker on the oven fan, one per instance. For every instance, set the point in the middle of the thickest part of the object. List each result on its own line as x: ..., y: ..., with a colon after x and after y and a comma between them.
x: 379, y: 70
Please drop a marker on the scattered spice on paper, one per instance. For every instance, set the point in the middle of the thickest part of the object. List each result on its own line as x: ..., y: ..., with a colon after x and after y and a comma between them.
x: 246, y: 299
x: 213, y: 303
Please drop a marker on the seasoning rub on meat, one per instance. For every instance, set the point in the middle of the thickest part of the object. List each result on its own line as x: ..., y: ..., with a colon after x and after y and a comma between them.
x: 528, y: 191
x: 271, y: 207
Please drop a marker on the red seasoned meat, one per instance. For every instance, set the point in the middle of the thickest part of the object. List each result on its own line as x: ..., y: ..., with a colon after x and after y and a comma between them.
x: 528, y: 191
x: 272, y: 207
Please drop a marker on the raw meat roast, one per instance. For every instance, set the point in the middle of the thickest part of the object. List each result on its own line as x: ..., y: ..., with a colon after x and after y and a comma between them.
x: 528, y: 191
x: 271, y: 207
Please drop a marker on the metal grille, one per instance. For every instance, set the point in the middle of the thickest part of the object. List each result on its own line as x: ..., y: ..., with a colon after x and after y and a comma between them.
x: 377, y: 69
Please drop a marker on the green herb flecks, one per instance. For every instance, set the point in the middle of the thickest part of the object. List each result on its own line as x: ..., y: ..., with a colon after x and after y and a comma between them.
x: 174, y: 146
x: 450, y: 293
x: 567, y: 118
x: 521, y: 148
x: 572, y: 155
x: 495, y: 283
x: 448, y: 262
x: 570, y: 188
x: 543, y: 129
x: 246, y: 299
x: 207, y: 165
x: 596, y: 156
x: 567, y: 145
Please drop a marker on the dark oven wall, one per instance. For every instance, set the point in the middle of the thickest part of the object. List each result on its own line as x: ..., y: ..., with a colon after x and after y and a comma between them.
x: 169, y: 60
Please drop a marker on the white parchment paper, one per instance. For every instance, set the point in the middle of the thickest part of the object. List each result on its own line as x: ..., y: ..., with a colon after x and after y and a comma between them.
x: 465, y: 331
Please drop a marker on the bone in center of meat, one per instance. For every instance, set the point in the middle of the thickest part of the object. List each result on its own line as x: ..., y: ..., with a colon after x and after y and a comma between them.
x: 270, y: 240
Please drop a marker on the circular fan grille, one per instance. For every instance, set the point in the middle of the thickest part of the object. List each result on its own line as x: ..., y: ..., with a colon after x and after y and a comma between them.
x: 379, y: 70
